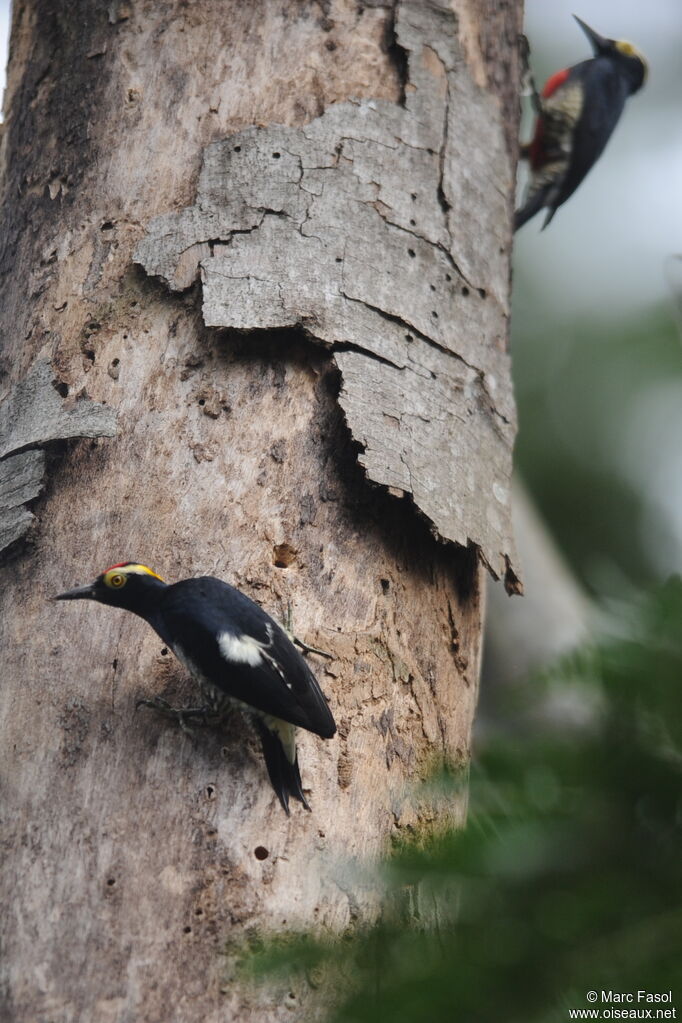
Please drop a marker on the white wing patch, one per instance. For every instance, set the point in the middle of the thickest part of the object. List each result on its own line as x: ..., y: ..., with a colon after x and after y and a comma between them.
x: 246, y: 649
x: 240, y: 649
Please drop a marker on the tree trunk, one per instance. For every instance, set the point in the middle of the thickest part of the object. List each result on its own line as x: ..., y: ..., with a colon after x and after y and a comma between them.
x: 313, y: 403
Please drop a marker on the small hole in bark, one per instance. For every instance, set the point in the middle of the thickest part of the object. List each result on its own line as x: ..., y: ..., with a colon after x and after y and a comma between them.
x: 186, y: 930
x: 202, y: 401
x: 448, y: 277
x: 413, y: 196
x: 284, y: 555
x: 89, y: 354
x: 108, y: 225
x: 408, y: 337
x: 483, y: 293
x: 115, y: 362
x: 164, y: 651
x: 465, y: 291
x: 260, y: 852
x: 276, y: 156
x: 411, y: 253
x: 385, y: 585
x: 114, y: 663
x: 330, y: 44
x: 111, y: 882
x: 199, y: 912
x: 210, y: 791
x: 432, y: 286
x: 62, y: 389
x: 413, y: 223
x: 237, y: 149
x: 434, y: 314
x: 338, y: 259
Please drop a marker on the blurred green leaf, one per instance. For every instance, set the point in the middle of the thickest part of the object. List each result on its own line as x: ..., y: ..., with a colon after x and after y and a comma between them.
x: 580, y: 386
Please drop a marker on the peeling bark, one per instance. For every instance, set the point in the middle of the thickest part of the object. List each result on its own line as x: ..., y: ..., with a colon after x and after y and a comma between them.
x: 136, y: 862
x: 382, y: 230
x: 32, y: 415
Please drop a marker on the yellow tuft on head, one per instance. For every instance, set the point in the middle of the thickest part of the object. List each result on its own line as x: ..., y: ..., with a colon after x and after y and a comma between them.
x: 117, y: 576
x: 142, y: 570
x: 628, y: 50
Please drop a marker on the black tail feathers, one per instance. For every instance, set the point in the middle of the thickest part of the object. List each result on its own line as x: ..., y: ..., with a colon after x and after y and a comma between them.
x: 284, y: 775
x: 534, y: 203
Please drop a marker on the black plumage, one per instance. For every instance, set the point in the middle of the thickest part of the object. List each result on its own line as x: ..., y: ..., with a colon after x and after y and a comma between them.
x: 237, y: 653
x: 577, y: 113
x: 193, y: 613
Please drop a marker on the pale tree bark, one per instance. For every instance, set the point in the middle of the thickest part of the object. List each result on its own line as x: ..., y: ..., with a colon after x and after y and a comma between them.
x: 312, y: 401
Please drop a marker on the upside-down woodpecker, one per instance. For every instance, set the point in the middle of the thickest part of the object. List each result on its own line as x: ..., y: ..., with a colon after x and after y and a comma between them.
x: 236, y: 652
x: 576, y: 114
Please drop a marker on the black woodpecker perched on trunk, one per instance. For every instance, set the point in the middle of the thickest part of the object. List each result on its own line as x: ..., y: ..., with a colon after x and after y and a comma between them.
x: 576, y: 114
x: 236, y: 652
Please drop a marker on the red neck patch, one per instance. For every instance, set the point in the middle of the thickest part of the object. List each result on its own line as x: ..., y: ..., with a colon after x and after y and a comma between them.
x: 553, y: 83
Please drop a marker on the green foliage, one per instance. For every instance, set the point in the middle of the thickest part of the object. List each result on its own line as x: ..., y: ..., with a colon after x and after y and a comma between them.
x: 568, y: 876
x: 585, y: 389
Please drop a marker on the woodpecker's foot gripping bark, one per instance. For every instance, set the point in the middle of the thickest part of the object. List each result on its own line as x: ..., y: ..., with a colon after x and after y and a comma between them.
x: 305, y: 647
x: 528, y: 86
x: 201, y: 717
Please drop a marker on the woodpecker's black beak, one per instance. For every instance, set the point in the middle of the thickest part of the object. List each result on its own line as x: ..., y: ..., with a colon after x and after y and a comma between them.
x: 599, y: 43
x: 80, y: 593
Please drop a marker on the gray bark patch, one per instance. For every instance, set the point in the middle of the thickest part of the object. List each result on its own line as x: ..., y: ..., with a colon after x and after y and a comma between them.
x: 32, y: 415
x: 382, y: 231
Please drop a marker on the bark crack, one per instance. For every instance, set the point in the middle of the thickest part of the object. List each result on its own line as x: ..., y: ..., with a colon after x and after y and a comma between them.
x: 349, y: 346
x: 433, y: 344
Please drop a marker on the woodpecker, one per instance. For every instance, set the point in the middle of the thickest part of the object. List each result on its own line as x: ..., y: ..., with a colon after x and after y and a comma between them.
x: 576, y: 114
x: 237, y: 653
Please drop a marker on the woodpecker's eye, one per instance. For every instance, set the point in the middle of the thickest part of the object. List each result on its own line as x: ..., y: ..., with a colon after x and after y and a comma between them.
x: 116, y: 581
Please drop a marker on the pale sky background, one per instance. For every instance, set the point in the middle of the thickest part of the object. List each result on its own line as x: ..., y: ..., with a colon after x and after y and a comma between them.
x: 606, y: 248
